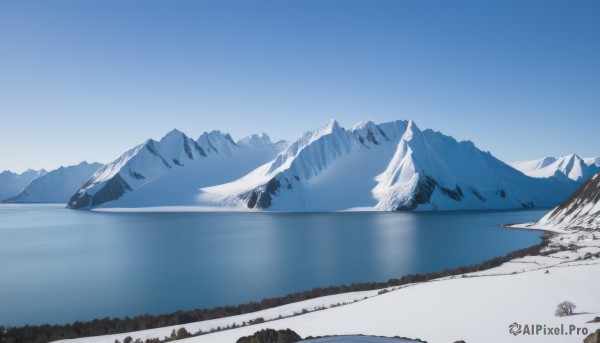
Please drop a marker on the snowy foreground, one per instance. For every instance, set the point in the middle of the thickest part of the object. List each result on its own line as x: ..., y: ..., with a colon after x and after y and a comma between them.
x: 476, y: 307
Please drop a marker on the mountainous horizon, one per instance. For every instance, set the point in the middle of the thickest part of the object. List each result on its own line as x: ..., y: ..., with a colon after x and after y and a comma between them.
x: 571, y: 166
x: 394, y: 166
x: 12, y: 183
x: 387, y: 166
x: 55, y: 186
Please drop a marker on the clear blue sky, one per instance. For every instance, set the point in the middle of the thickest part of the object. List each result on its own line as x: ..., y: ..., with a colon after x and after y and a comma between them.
x: 86, y: 80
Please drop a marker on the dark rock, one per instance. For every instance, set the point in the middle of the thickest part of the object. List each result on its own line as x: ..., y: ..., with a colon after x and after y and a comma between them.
x: 79, y: 200
x: 271, y: 336
x: 476, y: 193
x: 199, y: 149
x: 113, y: 189
x: 151, y: 148
x: 383, y: 134
x: 371, y: 137
x: 260, y: 197
x: 593, y: 338
x: 136, y: 175
x: 455, y: 193
x: 187, y: 149
x: 423, y: 193
x: 586, y: 194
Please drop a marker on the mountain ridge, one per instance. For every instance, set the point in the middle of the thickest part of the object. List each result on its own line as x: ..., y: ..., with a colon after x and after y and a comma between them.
x: 313, y: 169
x: 580, y: 211
x: 160, y: 162
x: 571, y: 166
x: 56, y: 186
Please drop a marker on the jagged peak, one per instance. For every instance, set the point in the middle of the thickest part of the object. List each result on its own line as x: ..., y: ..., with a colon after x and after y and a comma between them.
x: 363, y: 124
x: 412, y: 131
x: 255, y: 140
x: 172, y: 135
x: 28, y: 171
x: 572, y: 156
x: 216, y: 135
x: 333, y: 124
x: 257, y: 136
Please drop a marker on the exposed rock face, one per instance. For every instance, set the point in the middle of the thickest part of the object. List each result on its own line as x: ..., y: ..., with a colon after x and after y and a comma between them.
x: 593, y: 338
x: 271, y: 336
x: 581, y: 210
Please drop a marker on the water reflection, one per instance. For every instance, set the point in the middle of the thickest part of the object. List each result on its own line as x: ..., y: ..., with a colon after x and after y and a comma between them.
x: 61, y: 265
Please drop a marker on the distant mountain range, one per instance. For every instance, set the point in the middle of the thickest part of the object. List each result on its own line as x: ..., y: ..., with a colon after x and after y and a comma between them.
x: 570, y: 166
x: 12, y: 183
x: 390, y: 166
x: 56, y: 186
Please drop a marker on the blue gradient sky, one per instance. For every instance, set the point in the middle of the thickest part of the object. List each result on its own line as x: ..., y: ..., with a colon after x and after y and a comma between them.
x: 86, y: 80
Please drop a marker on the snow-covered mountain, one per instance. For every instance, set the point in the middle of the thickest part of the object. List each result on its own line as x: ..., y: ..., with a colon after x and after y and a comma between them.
x: 170, y: 171
x: 592, y: 161
x: 581, y: 210
x: 57, y: 185
x: 390, y: 166
x: 571, y: 166
x: 12, y: 183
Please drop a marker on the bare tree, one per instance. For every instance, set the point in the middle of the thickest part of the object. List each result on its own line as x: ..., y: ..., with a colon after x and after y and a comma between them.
x: 565, y: 308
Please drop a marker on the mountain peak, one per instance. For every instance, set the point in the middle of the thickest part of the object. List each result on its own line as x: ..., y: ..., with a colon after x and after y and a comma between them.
x: 363, y: 124
x: 256, y: 140
x: 173, y: 134
x: 332, y: 125
x: 572, y: 166
x: 411, y: 131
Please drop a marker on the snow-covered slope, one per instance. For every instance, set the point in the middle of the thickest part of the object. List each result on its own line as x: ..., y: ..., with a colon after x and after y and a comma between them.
x: 57, y: 185
x: 389, y: 166
x: 581, y: 210
x: 592, y: 161
x: 571, y: 166
x: 170, y: 171
x: 12, y: 183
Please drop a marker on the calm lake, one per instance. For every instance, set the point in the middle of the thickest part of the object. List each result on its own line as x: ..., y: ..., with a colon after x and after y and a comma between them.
x: 59, y: 265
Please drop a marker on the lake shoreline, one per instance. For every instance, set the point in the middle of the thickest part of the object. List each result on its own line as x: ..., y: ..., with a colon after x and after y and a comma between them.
x: 221, y: 312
